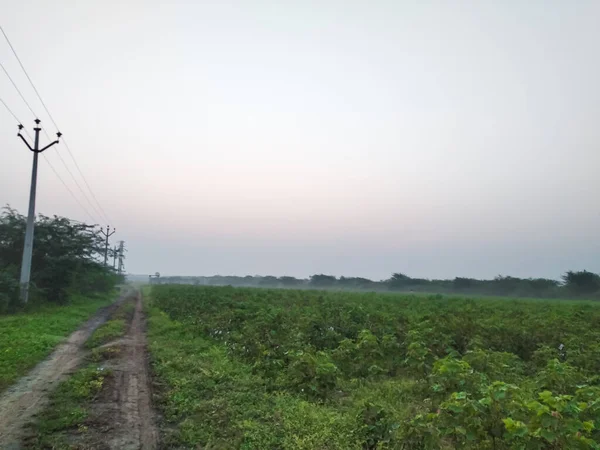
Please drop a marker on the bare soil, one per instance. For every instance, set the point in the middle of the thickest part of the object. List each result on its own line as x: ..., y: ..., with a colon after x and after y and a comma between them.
x: 122, y: 417
x: 20, y: 402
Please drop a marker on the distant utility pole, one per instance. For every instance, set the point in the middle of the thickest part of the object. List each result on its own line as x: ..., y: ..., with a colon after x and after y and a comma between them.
x: 156, y: 276
x: 28, y: 247
x: 121, y: 256
x: 114, y: 255
x: 106, y: 234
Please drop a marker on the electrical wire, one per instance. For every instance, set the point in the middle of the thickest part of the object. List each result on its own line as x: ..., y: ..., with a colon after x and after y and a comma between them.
x: 58, y: 153
x: 51, y: 166
x: 106, y: 216
x: 18, y: 90
x: 74, y: 179
x: 27, y: 75
x: 94, y: 221
x: 10, y: 111
x: 57, y: 129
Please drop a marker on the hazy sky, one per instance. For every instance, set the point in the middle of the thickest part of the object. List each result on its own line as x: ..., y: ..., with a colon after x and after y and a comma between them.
x: 352, y: 138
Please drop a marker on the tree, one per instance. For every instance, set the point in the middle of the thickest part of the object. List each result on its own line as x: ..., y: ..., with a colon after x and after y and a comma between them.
x: 269, y: 280
x: 505, y: 285
x: 542, y: 284
x: 463, y: 283
x: 64, y: 260
x: 399, y: 281
x: 355, y: 282
x: 289, y: 281
x: 322, y: 280
x: 583, y: 282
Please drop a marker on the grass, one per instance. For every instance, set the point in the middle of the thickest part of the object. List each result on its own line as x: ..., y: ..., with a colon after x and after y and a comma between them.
x: 27, y: 338
x: 113, y: 328
x: 68, y: 408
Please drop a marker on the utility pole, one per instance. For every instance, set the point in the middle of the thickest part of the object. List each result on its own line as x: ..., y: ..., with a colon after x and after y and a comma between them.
x: 106, y: 234
x: 28, y: 247
x: 121, y: 256
x: 114, y: 255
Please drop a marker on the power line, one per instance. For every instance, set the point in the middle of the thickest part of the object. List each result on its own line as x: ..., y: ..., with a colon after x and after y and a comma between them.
x: 57, y: 129
x: 69, y: 189
x: 74, y: 179
x: 18, y: 90
x: 27, y: 75
x: 86, y: 183
x: 15, y: 117
x: 50, y: 164
x: 10, y: 111
x: 59, y: 155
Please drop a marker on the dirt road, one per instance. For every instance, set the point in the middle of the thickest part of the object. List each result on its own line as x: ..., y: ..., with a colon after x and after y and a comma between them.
x: 20, y: 402
x: 123, y: 417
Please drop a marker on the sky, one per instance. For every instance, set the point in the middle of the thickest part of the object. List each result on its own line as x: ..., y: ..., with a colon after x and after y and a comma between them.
x: 354, y: 138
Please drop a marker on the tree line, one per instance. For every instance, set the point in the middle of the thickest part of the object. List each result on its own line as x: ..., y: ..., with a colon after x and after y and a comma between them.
x: 573, y: 284
x: 66, y: 260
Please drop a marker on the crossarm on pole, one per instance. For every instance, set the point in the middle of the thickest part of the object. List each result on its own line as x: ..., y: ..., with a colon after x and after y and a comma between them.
x: 26, y: 143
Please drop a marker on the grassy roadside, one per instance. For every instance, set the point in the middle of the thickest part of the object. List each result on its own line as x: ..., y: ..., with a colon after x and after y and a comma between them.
x: 27, y: 338
x: 68, y: 409
x: 67, y: 415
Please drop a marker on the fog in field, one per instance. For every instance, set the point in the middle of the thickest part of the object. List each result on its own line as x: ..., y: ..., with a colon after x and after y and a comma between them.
x: 292, y: 138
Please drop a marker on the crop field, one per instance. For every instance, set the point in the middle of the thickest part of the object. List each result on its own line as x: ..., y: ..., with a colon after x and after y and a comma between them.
x: 285, y: 369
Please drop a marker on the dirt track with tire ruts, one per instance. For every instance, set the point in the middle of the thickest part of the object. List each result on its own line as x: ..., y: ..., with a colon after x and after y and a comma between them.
x: 120, y: 418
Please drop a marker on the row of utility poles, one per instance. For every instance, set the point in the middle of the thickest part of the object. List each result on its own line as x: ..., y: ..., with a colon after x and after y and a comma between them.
x: 118, y: 253
x: 106, y: 234
x: 28, y: 247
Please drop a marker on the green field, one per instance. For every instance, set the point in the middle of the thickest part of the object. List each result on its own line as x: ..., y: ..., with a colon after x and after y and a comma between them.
x: 27, y: 338
x: 284, y: 369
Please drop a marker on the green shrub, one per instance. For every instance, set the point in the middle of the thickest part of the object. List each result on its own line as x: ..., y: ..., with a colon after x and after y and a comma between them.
x: 312, y: 374
x: 375, y: 428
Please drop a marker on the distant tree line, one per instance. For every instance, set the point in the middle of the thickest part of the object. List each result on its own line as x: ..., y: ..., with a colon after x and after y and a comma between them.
x: 66, y: 260
x: 572, y: 285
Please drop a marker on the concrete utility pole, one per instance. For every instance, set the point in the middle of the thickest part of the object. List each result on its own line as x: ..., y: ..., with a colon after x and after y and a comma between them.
x: 121, y: 256
x: 114, y: 255
x: 28, y: 247
x: 106, y: 234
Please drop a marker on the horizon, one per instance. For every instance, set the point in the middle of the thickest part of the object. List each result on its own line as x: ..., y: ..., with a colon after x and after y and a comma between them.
x: 316, y: 137
x: 145, y: 275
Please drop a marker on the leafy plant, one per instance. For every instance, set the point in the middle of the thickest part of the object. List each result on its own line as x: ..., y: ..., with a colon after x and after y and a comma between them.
x: 375, y: 426
x: 312, y: 374
x: 411, y: 372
